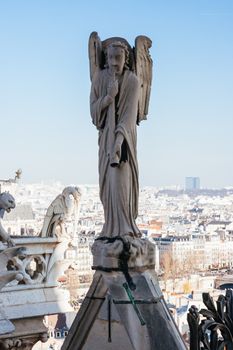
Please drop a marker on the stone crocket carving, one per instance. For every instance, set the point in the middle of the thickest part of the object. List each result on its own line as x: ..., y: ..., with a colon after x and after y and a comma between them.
x: 59, y: 210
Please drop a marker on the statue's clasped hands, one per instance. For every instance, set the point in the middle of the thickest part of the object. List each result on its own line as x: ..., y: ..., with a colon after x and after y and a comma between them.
x: 113, y: 87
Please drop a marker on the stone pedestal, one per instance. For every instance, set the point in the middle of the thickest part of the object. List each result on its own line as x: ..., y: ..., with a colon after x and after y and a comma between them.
x: 110, y: 253
x: 124, y: 309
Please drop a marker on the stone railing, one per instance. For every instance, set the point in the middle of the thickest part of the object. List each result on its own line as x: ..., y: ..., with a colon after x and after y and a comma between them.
x: 33, y: 290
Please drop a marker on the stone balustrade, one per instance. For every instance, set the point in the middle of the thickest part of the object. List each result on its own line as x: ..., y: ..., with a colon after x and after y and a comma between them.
x: 34, y: 292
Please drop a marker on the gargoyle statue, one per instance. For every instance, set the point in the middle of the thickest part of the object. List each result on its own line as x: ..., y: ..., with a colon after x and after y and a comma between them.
x: 7, y: 202
x: 59, y: 210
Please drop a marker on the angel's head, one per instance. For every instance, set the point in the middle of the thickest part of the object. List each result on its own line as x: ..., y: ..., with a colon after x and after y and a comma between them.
x: 117, y: 57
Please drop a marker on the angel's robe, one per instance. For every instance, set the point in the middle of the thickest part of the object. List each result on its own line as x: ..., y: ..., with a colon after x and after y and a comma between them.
x: 118, y: 185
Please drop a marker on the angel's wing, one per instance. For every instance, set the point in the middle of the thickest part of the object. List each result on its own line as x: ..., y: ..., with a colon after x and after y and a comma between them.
x: 95, y: 53
x: 144, y: 73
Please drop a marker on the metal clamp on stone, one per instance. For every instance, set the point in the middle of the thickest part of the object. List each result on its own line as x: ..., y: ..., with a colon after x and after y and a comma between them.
x: 132, y: 301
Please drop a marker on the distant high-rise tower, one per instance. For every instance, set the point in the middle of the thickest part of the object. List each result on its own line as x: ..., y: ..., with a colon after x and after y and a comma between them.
x: 192, y: 183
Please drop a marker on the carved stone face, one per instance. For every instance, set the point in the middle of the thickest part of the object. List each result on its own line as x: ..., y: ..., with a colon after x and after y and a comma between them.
x: 7, y: 201
x: 116, y: 59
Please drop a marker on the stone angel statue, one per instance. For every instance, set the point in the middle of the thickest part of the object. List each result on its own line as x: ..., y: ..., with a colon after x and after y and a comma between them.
x: 121, y: 82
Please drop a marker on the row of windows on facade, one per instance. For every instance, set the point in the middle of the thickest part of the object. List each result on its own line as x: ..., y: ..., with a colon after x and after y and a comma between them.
x: 23, y: 231
x: 58, y: 334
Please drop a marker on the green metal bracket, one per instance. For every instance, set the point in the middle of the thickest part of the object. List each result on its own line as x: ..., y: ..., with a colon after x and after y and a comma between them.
x: 132, y: 301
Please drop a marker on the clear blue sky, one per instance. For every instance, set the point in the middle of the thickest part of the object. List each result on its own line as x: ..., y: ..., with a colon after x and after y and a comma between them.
x: 44, y: 88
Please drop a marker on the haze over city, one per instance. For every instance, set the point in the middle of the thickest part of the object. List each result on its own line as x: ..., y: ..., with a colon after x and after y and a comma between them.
x: 46, y: 127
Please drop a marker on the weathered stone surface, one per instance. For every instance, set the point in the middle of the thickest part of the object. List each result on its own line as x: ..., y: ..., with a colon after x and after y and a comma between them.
x: 87, y: 314
x: 92, y: 322
x: 119, y: 341
x: 108, y: 254
x: 6, y: 326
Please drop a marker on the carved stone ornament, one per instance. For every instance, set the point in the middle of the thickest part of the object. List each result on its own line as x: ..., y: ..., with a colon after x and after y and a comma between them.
x: 32, y: 267
x: 22, y: 343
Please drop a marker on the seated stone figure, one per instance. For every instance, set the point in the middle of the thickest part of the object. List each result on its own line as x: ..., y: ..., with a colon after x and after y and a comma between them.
x: 7, y: 202
x: 58, y: 211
